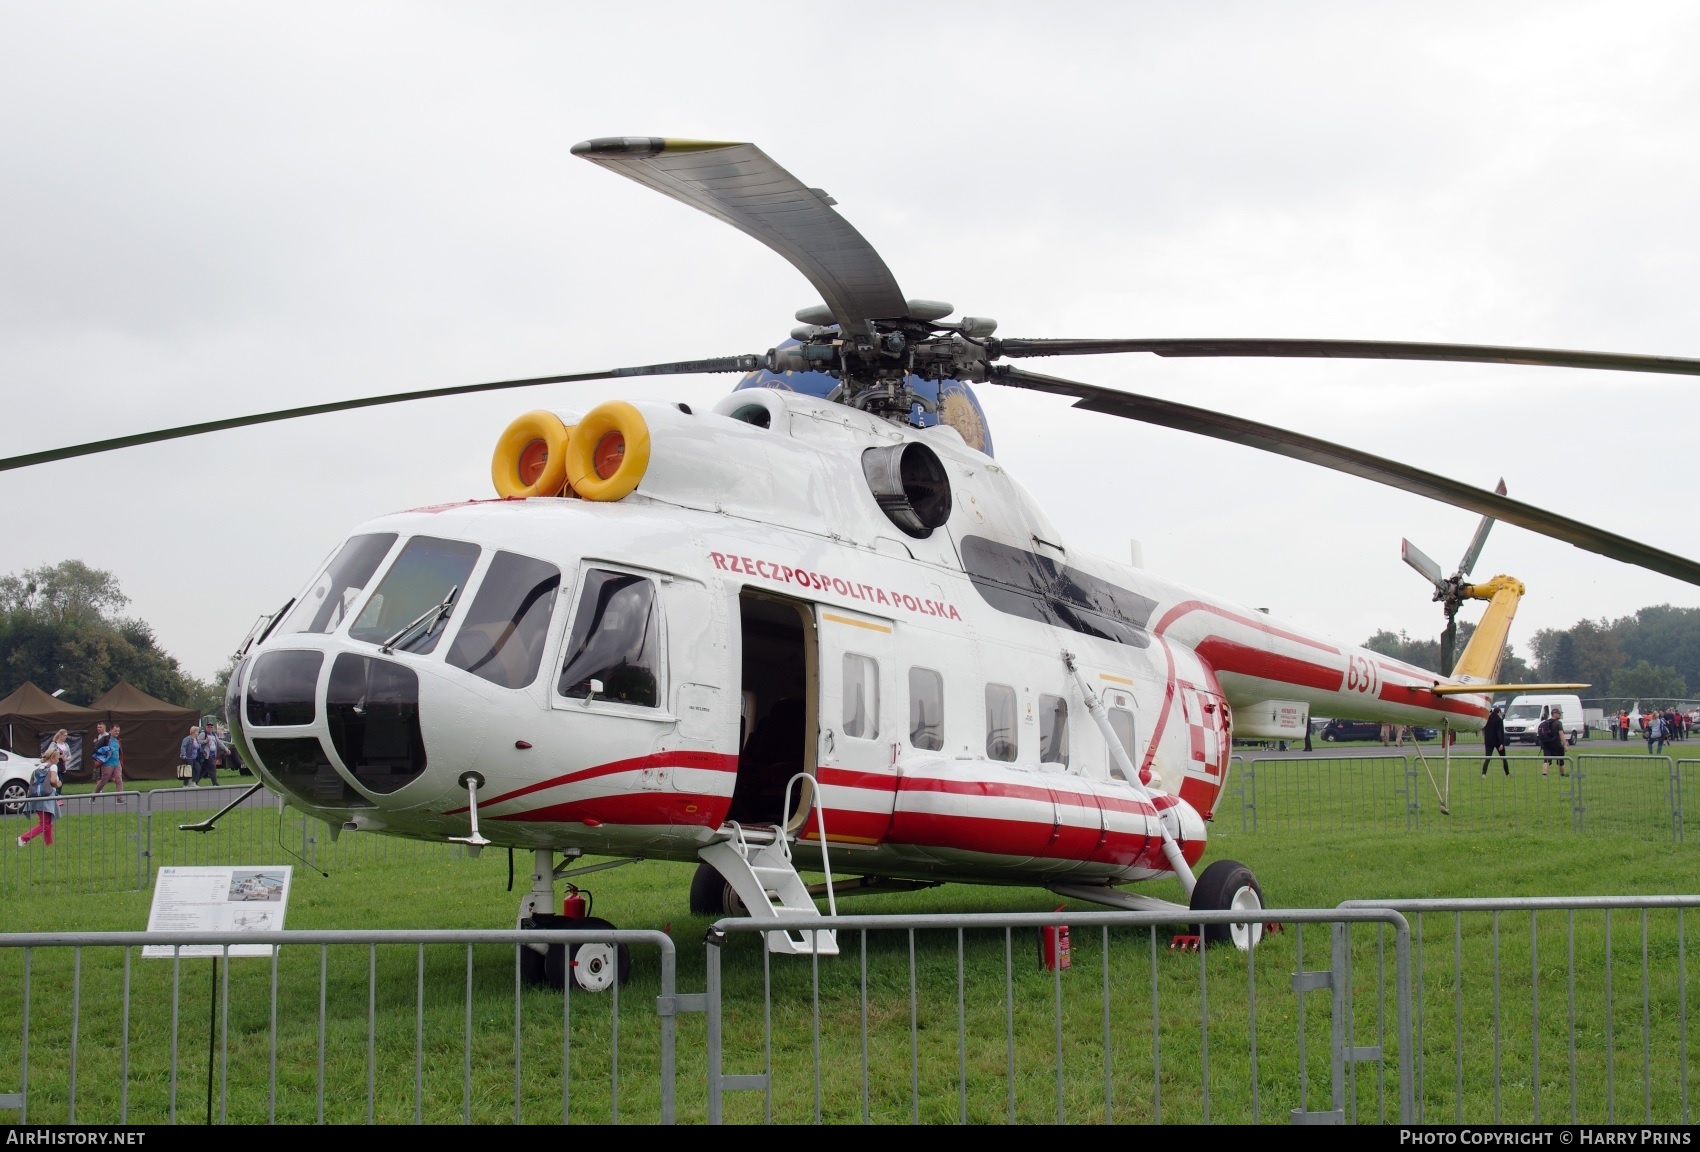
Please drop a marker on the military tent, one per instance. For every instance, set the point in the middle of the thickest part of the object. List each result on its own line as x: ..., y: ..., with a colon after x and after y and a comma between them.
x: 29, y: 717
x: 152, y: 729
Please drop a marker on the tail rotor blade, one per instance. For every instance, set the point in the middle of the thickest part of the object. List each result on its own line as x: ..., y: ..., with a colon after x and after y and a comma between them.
x: 1419, y: 560
x: 1448, y: 642
x: 1474, y: 551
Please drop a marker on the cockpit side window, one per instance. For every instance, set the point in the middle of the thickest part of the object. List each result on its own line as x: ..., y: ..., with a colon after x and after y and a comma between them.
x: 422, y: 578
x: 615, y: 639
x: 502, y: 638
x: 326, y: 604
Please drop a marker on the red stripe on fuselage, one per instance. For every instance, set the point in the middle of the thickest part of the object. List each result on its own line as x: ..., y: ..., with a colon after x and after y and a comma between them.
x: 633, y: 808
x: 679, y: 758
x: 1232, y: 656
x: 1403, y: 694
x: 1004, y: 791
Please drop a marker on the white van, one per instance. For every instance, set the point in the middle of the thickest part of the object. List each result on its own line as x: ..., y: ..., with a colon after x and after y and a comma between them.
x: 1525, y: 714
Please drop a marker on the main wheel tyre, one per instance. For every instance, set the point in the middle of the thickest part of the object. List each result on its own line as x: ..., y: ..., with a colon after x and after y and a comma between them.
x: 13, y: 794
x: 711, y: 895
x: 1228, y: 884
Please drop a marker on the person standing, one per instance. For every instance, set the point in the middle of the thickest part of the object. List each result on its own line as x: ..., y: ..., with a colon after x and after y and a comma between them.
x: 109, y: 754
x: 187, y: 753
x: 43, y: 800
x: 1551, y: 735
x: 1656, y: 735
x: 208, y: 763
x: 1494, y: 735
x: 62, y: 741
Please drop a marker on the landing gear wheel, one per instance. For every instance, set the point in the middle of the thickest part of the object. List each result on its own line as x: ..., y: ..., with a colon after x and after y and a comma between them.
x: 530, y: 966
x: 711, y: 895
x: 1228, y: 884
x: 536, y: 968
x: 595, y: 965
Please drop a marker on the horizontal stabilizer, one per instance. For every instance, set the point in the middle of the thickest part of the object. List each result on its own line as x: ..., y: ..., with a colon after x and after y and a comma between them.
x: 1475, y: 689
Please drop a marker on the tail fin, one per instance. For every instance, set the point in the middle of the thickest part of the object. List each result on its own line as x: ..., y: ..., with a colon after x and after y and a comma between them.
x: 1486, y: 649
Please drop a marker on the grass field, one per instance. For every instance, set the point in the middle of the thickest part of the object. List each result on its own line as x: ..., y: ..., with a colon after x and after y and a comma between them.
x: 1301, y: 864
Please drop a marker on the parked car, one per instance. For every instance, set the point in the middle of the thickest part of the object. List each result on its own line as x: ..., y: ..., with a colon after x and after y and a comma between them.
x: 1368, y: 730
x: 15, y: 771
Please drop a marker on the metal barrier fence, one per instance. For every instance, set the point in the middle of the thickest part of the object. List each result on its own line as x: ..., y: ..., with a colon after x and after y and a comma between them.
x: 1546, y: 1009
x: 1468, y: 1011
x: 117, y: 841
x: 932, y: 1018
x: 334, y: 1027
x: 1650, y: 797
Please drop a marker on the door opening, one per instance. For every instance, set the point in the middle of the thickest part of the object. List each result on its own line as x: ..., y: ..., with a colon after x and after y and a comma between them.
x: 779, y: 714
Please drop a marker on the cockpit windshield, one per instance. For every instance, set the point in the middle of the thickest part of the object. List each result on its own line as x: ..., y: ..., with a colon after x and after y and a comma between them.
x: 422, y: 578
x: 505, y: 629
x: 326, y: 604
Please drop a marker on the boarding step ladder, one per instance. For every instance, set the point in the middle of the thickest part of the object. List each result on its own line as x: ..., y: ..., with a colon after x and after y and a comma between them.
x: 757, y: 863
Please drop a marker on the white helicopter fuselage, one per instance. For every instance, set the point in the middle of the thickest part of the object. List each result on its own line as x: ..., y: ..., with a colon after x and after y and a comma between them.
x: 750, y: 613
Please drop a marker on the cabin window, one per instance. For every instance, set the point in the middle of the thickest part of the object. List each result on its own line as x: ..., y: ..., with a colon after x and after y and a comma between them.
x: 1121, y: 723
x: 1053, y: 730
x: 428, y: 573
x: 926, y: 709
x: 284, y: 689
x: 502, y: 639
x: 861, y: 697
x: 1001, y: 741
x: 325, y: 605
x: 616, y: 639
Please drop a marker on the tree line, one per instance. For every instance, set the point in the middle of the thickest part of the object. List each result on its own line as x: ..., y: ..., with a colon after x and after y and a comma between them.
x: 63, y: 626
x: 1650, y: 655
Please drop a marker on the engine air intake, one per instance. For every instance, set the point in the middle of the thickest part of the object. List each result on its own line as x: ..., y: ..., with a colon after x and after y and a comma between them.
x: 910, y: 484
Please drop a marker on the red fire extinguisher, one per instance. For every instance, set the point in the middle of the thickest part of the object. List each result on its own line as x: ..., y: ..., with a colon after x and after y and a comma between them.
x: 573, y: 905
x: 1053, y: 945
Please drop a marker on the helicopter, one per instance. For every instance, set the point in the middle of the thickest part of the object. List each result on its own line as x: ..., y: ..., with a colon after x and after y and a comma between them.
x: 816, y: 626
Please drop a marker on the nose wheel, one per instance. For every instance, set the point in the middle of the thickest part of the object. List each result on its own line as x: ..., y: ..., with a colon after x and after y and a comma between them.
x: 593, y: 966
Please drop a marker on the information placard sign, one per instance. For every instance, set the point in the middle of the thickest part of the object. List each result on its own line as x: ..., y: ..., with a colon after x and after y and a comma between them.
x: 218, y: 899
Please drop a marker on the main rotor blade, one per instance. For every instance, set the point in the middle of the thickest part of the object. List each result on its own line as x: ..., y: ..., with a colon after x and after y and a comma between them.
x: 740, y: 185
x: 1474, y: 551
x: 1355, y: 350
x: 1418, y: 559
x: 1312, y: 450
x: 682, y: 367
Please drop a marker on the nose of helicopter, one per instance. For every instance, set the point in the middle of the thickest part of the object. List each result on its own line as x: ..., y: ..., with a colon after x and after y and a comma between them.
x: 343, y: 729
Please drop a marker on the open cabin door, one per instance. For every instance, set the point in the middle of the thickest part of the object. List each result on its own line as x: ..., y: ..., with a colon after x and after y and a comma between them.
x: 864, y: 716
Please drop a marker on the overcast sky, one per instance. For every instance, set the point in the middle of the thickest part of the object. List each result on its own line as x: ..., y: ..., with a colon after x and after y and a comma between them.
x: 212, y: 209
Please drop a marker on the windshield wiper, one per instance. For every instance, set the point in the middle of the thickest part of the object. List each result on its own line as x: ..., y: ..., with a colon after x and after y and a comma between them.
x: 434, y: 614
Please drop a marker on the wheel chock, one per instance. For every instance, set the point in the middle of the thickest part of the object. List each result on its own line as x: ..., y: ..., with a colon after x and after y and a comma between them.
x: 1273, y: 926
x: 1186, y: 943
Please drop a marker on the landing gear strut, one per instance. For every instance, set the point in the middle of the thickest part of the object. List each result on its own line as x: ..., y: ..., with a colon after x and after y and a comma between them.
x: 594, y: 966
